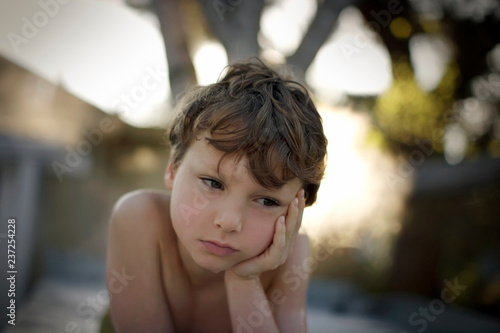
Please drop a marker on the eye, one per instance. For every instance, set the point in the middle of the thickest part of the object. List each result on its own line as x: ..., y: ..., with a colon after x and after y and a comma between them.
x: 268, y: 202
x: 212, y: 183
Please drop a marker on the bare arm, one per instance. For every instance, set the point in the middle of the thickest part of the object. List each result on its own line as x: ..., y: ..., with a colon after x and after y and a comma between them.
x: 289, y: 292
x: 283, y: 307
x: 138, y: 303
x: 250, y: 307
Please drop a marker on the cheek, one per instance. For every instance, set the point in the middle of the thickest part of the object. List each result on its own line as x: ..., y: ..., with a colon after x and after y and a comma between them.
x: 261, y: 235
x: 182, y: 211
x: 263, y: 232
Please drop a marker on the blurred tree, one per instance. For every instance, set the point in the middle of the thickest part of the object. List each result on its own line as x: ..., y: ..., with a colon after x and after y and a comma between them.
x: 445, y: 234
x: 180, y: 67
x: 319, y: 30
x: 181, y: 71
x: 236, y: 24
x: 407, y: 114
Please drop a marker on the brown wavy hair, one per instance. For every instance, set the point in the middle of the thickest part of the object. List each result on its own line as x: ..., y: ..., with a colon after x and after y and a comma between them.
x: 255, y: 113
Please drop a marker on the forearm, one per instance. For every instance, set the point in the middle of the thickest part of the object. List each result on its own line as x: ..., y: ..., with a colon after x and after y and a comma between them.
x: 248, y: 305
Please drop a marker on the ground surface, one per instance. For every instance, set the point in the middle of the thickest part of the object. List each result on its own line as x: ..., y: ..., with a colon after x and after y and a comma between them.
x: 72, y: 298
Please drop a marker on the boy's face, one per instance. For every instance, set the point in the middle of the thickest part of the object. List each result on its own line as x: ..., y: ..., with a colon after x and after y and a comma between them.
x: 222, y: 218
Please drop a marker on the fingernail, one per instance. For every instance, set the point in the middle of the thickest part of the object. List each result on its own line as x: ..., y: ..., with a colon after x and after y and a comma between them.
x: 302, y: 193
x: 296, y: 202
x: 282, y: 220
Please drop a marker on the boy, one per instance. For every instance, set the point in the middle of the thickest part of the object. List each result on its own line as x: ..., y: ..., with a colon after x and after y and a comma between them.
x: 217, y: 253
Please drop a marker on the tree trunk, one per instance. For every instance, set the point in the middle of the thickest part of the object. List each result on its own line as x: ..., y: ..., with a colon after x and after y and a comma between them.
x: 180, y: 67
x: 236, y: 24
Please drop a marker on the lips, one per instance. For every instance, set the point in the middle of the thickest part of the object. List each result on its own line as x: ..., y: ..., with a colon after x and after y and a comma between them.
x: 218, y: 248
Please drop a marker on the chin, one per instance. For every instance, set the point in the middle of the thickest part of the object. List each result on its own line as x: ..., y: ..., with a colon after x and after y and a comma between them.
x: 213, y: 265
x: 217, y: 271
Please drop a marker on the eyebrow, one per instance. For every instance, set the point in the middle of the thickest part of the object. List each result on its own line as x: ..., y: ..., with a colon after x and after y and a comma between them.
x: 239, y: 156
x: 279, y: 197
x: 208, y: 164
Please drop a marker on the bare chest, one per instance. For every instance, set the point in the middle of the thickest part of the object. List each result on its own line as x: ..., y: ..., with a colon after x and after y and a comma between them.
x: 200, y: 310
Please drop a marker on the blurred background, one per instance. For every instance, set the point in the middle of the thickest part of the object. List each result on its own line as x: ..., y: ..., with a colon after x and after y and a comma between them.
x: 408, y: 214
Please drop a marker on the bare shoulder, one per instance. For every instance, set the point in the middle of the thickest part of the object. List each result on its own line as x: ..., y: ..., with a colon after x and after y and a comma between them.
x: 144, y: 208
x: 143, y: 202
x: 140, y: 221
x: 137, y: 229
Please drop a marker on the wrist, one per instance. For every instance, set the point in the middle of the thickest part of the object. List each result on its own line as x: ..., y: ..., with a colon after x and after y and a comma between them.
x: 233, y: 276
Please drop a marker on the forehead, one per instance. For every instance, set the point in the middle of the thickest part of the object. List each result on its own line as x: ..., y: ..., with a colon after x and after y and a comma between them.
x: 234, y: 166
x: 203, y: 153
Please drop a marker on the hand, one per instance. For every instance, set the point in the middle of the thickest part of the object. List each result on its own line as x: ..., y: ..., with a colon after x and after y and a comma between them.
x: 285, y: 232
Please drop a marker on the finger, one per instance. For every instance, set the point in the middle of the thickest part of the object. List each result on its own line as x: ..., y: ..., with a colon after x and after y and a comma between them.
x: 302, y: 204
x: 293, y: 216
x: 278, y: 246
x: 280, y: 234
x: 291, y: 222
x: 295, y: 212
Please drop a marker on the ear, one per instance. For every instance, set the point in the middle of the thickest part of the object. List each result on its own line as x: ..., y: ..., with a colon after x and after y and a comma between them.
x: 169, y: 176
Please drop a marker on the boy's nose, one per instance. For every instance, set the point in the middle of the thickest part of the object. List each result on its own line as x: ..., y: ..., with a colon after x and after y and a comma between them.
x: 228, y: 221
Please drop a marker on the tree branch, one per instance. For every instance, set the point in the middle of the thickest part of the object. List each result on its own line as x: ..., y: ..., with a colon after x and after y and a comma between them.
x: 236, y: 24
x: 319, y: 30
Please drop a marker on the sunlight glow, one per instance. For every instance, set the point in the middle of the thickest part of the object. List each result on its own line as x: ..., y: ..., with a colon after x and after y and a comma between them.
x: 429, y: 56
x: 351, y: 61
x: 284, y: 22
x: 356, y: 205
x: 494, y: 57
x: 455, y: 143
x: 209, y: 60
